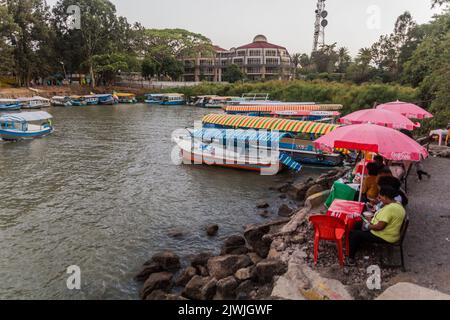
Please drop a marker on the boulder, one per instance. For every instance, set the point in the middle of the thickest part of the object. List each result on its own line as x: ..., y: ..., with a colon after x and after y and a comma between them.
x: 316, y: 188
x: 254, y: 257
x: 223, y: 266
x: 175, y: 233
x: 264, y: 214
x: 265, y: 270
x: 244, y: 289
x: 234, y: 245
x: 317, y: 199
x: 147, y: 270
x: 254, y: 236
x: 167, y: 260
x: 298, y: 190
x: 212, y: 230
x: 201, y: 259
x: 282, y: 187
x: 243, y: 274
x: 262, y: 205
x: 285, y: 211
x: 200, y: 288
x: 157, y: 281
x: 161, y: 295
x: 202, y: 270
x: 226, y: 288
x: 185, y: 276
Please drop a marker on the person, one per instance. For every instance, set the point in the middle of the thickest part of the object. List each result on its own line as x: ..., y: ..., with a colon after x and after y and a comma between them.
x: 394, y: 183
x: 370, y: 187
x: 385, y: 226
x: 379, y: 160
x: 420, y: 171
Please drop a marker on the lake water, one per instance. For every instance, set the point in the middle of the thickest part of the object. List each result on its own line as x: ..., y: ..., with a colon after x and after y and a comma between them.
x: 102, y: 193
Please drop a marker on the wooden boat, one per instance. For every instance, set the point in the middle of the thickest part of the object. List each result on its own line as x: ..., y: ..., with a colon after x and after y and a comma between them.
x: 153, y: 98
x: 34, y: 102
x: 17, y: 126
x: 126, y: 97
x: 266, y: 109
x: 9, y: 105
x: 60, y: 101
x: 78, y: 101
x: 300, y: 147
x: 105, y: 99
x: 213, y: 147
x: 213, y: 102
x: 318, y: 116
x: 91, y: 99
x: 173, y: 99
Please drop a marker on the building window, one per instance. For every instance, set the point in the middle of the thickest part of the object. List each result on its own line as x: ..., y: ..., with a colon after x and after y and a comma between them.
x: 253, y: 61
x: 272, y: 61
x: 255, y: 53
x: 271, y: 53
x: 241, y: 53
x: 254, y: 70
x: 238, y: 61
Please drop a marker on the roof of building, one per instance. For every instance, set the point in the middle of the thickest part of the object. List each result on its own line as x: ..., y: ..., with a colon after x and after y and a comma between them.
x: 219, y: 49
x: 260, y: 42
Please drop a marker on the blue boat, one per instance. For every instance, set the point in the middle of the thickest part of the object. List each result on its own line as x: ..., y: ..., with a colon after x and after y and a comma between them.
x: 9, y: 105
x: 91, y: 99
x: 173, y: 99
x: 105, y: 99
x: 17, y: 126
x: 78, y: 101
x: 152, y: 98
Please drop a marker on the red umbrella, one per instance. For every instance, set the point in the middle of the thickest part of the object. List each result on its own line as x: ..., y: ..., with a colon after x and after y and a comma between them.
x: 390, y: 143
x: 407, y: 109
x: 380, y: 117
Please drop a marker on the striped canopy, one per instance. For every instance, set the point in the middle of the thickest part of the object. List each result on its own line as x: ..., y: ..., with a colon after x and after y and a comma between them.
x: 284, y: 125
x: 239, y: 135
x: 287, y: 107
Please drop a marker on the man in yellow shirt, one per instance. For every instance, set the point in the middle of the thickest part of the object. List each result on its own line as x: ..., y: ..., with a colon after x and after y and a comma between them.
x: 370, y: 185
x: 384, y: 227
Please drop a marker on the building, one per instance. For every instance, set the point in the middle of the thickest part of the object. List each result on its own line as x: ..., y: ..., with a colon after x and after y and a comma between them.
x: 259, y: 60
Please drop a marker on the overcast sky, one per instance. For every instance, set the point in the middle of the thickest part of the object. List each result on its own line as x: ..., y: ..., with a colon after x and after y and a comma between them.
x: 290, y: 23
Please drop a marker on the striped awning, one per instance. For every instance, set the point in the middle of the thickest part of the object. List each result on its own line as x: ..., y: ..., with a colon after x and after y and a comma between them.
x: 287, y: 107
x: 239, y: 135
x: 283, y: 125
x: 290, y: 163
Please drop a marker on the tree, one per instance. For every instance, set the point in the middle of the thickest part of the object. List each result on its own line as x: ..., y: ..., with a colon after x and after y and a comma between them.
x: 435, y: 3
x: 361, y: 71
x: 107, y: 66
x: 344, y: 60
x: 7, y: 27
x: 233, y: 74
x: 325, y: 58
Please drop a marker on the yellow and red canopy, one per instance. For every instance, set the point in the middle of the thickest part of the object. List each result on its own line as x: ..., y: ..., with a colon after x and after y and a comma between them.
x: 287, y: 107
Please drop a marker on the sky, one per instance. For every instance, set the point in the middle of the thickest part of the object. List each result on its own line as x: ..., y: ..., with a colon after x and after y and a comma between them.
x: 230, y: 23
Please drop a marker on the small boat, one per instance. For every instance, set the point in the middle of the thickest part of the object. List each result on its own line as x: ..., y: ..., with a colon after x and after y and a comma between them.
x: 126, y: 97
x: 9, y: 105
x: 78, y: 101
x: 17, y: 126
x: 218, y: 102
x: 60, y: 101
x: 105, y: 99
x: 153, y: 98
x: 91, y: 99
x: 34, y: 102
x: 318, y: 116
x: 173, y: 99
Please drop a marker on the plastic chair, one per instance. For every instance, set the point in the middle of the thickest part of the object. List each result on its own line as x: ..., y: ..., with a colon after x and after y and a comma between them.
x: 329, y: 229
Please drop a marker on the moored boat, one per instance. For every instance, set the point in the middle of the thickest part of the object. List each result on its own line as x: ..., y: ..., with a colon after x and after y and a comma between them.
x: 126, y: 97
x: 17, y: 126
x: 173, y: 99
x: 153, y: 98
x: 9, y: 105
x: 91, y: 99
x: 105, y: 99
x: 266, y: 109
x: 78, y: 101
x: 34, y: 102
x: 60, y: 101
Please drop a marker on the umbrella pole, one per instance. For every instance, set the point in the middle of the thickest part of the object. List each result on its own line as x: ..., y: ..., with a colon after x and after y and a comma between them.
x: 362, y: 177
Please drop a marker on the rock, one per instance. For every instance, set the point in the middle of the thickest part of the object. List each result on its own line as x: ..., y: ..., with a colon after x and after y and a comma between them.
x: 185, y: 276
x: 283, y: 187
x: 317, y: 199
x: 409, y: 291
x: 254, y: 236
x: 202, y: 270
x: 157, y: 281
x: 262, y: 205
x: 226, y: 288
x: 147, y: 270
x: 254, y: 257
x: 264, y: 292
x: 316, y: 188
x: 298, y: 190
x: 243, y: 274
x: 223, y: 266
x: 264, y: 214
x: 176, y: 233
x: 201, y: 259
x: 283, y: 196
x: 244, y: 289
x: 285, y: 211
x: 200, y: 288
x: 267, y: 269
x: 161, y: 295
x: 167, y: 260
x: 212, y: 230
x: 234, y: 245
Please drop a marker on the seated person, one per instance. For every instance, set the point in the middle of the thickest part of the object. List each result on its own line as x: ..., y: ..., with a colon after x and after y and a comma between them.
x: 384, y: 227
x: 384, y: 172
x: 394, y: 183
x: 370, y: 186
x: 379, y: 160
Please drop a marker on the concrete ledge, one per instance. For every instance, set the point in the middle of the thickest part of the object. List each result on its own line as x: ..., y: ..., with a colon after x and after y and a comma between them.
x: 409, y: 291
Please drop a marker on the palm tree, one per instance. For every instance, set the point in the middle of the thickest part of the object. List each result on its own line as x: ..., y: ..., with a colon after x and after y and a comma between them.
x: 344, y: 59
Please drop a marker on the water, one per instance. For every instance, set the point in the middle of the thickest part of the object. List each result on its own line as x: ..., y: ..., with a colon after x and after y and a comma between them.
x: 102, y: 193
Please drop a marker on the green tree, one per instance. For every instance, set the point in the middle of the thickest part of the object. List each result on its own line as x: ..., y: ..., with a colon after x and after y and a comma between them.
x: 325, y: 58
x: 344, y: 60
x: 361, y: 70
x: 7, y: 27
x: 107, y: 66
x: 233, y: 74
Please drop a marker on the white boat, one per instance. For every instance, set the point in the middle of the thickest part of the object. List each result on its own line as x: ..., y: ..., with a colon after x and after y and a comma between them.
x: 25, y: 125
x: 60, y: 101
x: 34, y: 102
x: 9, y: 105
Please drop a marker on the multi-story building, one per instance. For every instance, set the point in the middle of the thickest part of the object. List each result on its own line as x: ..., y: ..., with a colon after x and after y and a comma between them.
x: 259, y: 60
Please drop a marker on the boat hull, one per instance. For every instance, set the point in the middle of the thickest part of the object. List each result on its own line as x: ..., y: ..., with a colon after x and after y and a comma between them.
x: 10, y: 107
x: 13, y: 135
x: 79, y: 103
x: 172, y: 103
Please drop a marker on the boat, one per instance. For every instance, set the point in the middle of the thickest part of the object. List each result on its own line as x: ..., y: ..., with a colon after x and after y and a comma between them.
x: 126, y: 97
x: 105, y: 99
x: 318, y: 116
x: 91, y: 99
x: 238, y: 149
x: 17, y: 126
x: 213, y: 102
x: 34, y: 102
x: 9, y: 105
x: 172, y: 99
x: 78, y: 101
x: 153, y: 98
x: 300, y: 147
x: 60, y: 101
x: 266, y: 109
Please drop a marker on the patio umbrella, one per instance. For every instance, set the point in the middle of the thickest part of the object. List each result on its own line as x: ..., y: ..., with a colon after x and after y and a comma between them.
x: 380, y: 117
x: 407, y: 109
x: 390, y: 143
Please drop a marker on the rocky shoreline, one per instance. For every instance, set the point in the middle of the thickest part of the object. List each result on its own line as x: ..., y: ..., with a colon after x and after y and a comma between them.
x: 268, y: 261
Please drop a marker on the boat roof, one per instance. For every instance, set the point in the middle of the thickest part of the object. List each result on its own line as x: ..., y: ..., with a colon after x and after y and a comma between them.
x: 284, y: 107
x: 32, y: 98
x: 265, y: 123
x: 8, y: 100
x: 154, y: 94
x: 174, y: 94
x: 305, y: 113
x: 239, y: 134
x: 101, y: 95
x: 59, y: 97
x: 27, y: 116
x: 124, y: 94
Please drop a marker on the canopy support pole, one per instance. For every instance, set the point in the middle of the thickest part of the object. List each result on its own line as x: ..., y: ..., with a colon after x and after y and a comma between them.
x: 362, y: 177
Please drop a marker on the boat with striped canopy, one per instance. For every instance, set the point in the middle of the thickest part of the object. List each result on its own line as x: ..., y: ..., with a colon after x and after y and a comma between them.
x: 267, y: 109
x: 301, y: 147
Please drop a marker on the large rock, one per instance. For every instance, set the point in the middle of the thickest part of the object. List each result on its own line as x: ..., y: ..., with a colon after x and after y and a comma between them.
x: 226, y: 288
x: 254, y: 236
x: 200, y: 288
x: 285, y: 211
x: 167, y: 260
x: 262, y: 205
x: 243, y: 274
x: 317, y: 199
x: 223, y: 266
x: 157, y: 281
x: 185, y: 276
x: 244, y: 289
x: 409, y: 291
x: 298, y: 190
x: 212, y: 230
x: 265, y: 270
x: 161, y: 295
x: 201, y: 259
x: 313, y: 190
x: 234, y: 245
x: 147, y: 270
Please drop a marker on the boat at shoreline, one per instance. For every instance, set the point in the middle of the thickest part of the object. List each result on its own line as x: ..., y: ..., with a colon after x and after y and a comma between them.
x: 78, y: 101
x: 60, y: 101
x: 173, y: 99
x: 266, y: 109
x: 128, y: 98
x: 105, y: 99
x: 153, y: 98
x: 34, y: 102
x: 91, y: 99
x: 9, y: 105
x: 17, y: 126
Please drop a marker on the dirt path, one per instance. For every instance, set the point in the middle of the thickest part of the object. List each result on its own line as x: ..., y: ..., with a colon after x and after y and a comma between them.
x: 427, y: 244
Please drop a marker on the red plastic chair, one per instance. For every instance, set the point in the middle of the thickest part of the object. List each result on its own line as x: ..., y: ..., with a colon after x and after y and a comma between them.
x: 329, y: 229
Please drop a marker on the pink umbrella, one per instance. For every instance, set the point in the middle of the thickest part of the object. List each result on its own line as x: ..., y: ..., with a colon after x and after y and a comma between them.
x: 390, y: 143
x: 380, y: 117
x: 407, y: 109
